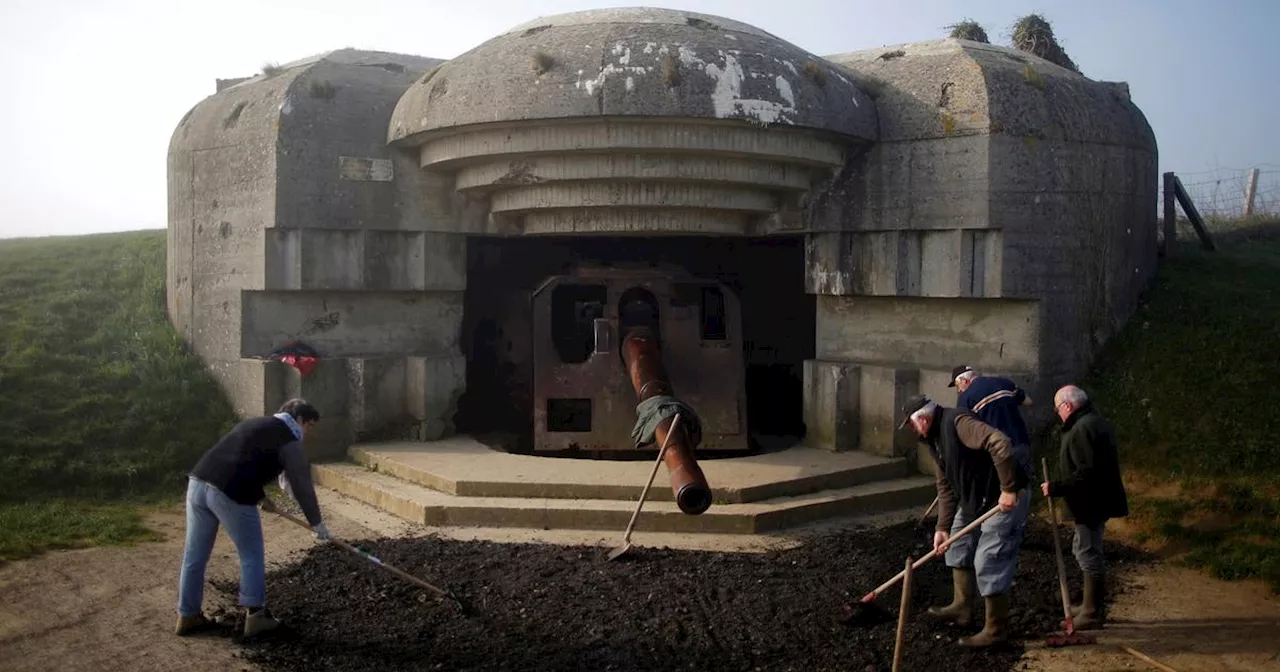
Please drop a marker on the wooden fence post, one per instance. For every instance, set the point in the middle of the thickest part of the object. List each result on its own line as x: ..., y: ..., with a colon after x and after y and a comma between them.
x: 1170, y: 215
x: 1250, y: 192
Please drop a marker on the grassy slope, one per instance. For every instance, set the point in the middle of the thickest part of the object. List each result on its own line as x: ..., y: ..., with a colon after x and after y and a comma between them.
x: 100, y: 404
x: 1185, y: 386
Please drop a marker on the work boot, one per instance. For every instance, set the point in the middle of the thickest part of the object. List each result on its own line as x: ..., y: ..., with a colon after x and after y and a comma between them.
x: 258, y: 621
x: 997, y: 625
x: 960, y: 611
x: 191, y: 624
x: 1092, y: 609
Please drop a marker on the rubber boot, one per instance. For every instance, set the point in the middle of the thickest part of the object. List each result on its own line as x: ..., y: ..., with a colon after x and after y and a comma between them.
x: 1091, y: 614
x: 191, y: 624
x: 258, y: 622
x: 960, y: 611
x: 996, y: 628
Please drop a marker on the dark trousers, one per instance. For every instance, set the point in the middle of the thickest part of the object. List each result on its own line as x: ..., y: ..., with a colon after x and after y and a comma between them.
x: 1087, y: 547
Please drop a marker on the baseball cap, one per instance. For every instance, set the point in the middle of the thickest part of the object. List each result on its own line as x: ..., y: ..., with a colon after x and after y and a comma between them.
x: 911, y: 406
x: 963, y: 368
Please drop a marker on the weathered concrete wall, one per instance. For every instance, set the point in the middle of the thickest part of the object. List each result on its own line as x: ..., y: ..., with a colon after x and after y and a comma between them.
x: 644, y: 62
x: 632, y: 121
x: 287, y: 222
x: 1005, y: 219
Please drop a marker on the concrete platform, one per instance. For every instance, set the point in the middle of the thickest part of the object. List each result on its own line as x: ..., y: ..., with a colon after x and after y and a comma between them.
x: 465, y: 467
x: 461, y: 483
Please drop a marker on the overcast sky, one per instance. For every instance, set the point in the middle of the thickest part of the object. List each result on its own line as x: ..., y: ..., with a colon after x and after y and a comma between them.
x: 93, y: 90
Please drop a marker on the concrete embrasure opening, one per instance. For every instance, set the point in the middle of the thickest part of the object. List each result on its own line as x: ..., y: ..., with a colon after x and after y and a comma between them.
x: 766, y: 275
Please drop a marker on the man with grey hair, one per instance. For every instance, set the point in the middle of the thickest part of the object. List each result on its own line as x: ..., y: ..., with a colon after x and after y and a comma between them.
x: 1089, y: 480
x: 977, y: 470
x: 997, y: 401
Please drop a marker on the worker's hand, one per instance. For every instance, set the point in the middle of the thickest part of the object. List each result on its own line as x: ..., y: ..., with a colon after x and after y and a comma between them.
x: 1008, y: 500
x: 322, y: 532
x: 268, y: 505
x: 1044, y: 488
x: 941, y: 541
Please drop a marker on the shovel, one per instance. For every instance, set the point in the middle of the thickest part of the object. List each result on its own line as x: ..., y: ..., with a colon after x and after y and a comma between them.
x: 626, y: 539
x: 926, y: 513
x: 1071, y: 638
x: 865, y: 611
x: 403, y: 575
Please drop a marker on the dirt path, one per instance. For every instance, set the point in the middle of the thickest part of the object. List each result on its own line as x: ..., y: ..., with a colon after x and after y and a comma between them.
x: 1185, y: 620
x: 112, y: 609
x: 102, y: 609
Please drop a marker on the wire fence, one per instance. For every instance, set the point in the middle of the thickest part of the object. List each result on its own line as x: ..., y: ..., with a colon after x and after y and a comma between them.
x: 1222, y: 192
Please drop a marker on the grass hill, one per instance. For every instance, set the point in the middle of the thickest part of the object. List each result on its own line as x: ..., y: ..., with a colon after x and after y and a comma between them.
x: 1185, y: 386
x: 102, y: 409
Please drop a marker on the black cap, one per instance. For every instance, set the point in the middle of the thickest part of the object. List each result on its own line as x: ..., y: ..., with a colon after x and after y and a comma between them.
x: 913, y: 404
x: 963, y: 368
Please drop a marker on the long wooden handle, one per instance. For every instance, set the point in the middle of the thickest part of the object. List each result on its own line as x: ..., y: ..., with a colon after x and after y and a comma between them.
x: 930, y: 555
x: 367, y: 556
x: 1057, y: 550
x: 927, y: 511
x: 1144, y: 657
x: 902, y: 615
x: 645, y: 493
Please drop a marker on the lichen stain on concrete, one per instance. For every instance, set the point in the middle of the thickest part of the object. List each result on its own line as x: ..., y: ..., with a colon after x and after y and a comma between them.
x: 623, y: 66
x: 784, y: 90
x: 829, y: 281
x: 726, y: 98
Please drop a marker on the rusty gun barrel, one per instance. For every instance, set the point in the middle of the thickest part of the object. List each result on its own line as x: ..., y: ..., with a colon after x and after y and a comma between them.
x: 649, y: 377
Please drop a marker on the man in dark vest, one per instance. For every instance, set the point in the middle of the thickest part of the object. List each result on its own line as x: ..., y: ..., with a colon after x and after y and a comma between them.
x: 996, y: 401
x: 225, y: 488
x: 1089, y: 480
x: 976, y: 470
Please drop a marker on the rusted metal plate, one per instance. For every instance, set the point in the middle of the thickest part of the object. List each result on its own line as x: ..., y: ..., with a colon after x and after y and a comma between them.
x: 709, y: 375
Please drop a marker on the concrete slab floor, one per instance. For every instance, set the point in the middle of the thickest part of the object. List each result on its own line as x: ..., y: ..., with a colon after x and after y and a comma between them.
x: 462, y: 459
x: 369, y: 520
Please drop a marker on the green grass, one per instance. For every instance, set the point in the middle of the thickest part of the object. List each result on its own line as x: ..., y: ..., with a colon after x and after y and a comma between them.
x: 1185, y: 385
x: 100, y: 401
x: 30, y: 528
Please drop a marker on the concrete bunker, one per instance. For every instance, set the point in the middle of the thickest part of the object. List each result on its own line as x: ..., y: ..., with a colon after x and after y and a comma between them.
x: 822, y: 237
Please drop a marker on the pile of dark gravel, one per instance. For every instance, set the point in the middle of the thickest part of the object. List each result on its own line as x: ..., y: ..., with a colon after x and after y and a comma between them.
x: 545, y: 607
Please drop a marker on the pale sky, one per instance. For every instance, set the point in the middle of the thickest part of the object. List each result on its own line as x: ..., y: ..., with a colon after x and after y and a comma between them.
x: 93, y: 90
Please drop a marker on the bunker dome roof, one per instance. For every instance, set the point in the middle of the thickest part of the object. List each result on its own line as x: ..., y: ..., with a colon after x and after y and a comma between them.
x: 635, y: 62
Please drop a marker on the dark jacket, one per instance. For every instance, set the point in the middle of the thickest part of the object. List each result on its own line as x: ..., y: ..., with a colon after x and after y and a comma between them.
x: 1089, y: 469
x: 253, y: 454
x: 975, y: 464
x: 996, y: 401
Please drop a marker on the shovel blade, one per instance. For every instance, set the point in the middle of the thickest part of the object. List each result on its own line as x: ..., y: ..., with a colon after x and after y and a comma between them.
x: 619, y: 551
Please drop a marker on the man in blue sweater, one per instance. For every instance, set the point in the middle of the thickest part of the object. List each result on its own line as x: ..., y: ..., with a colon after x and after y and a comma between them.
x: 225, y: 488
x: 996, y: 401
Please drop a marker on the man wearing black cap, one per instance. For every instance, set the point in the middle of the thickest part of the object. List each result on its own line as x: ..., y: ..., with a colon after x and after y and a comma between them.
x: 977, y: 470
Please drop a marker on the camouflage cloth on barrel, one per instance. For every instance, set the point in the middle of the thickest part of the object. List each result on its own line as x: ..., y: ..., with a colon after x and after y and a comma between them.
x: 652, y: 411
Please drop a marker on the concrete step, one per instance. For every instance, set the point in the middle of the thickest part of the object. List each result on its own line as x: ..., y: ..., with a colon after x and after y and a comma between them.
x: 465, y: 467
x: 431, y: 507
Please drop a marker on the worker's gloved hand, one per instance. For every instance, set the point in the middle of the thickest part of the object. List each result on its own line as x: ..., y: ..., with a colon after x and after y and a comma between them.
x: 941, y: 541
x: 322, y: 532
x: 267, y: 505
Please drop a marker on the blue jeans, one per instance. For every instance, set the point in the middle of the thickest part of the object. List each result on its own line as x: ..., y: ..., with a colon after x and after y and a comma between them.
x: 992, y: 549
x: 208, y: 506
x: 1087, y: 547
